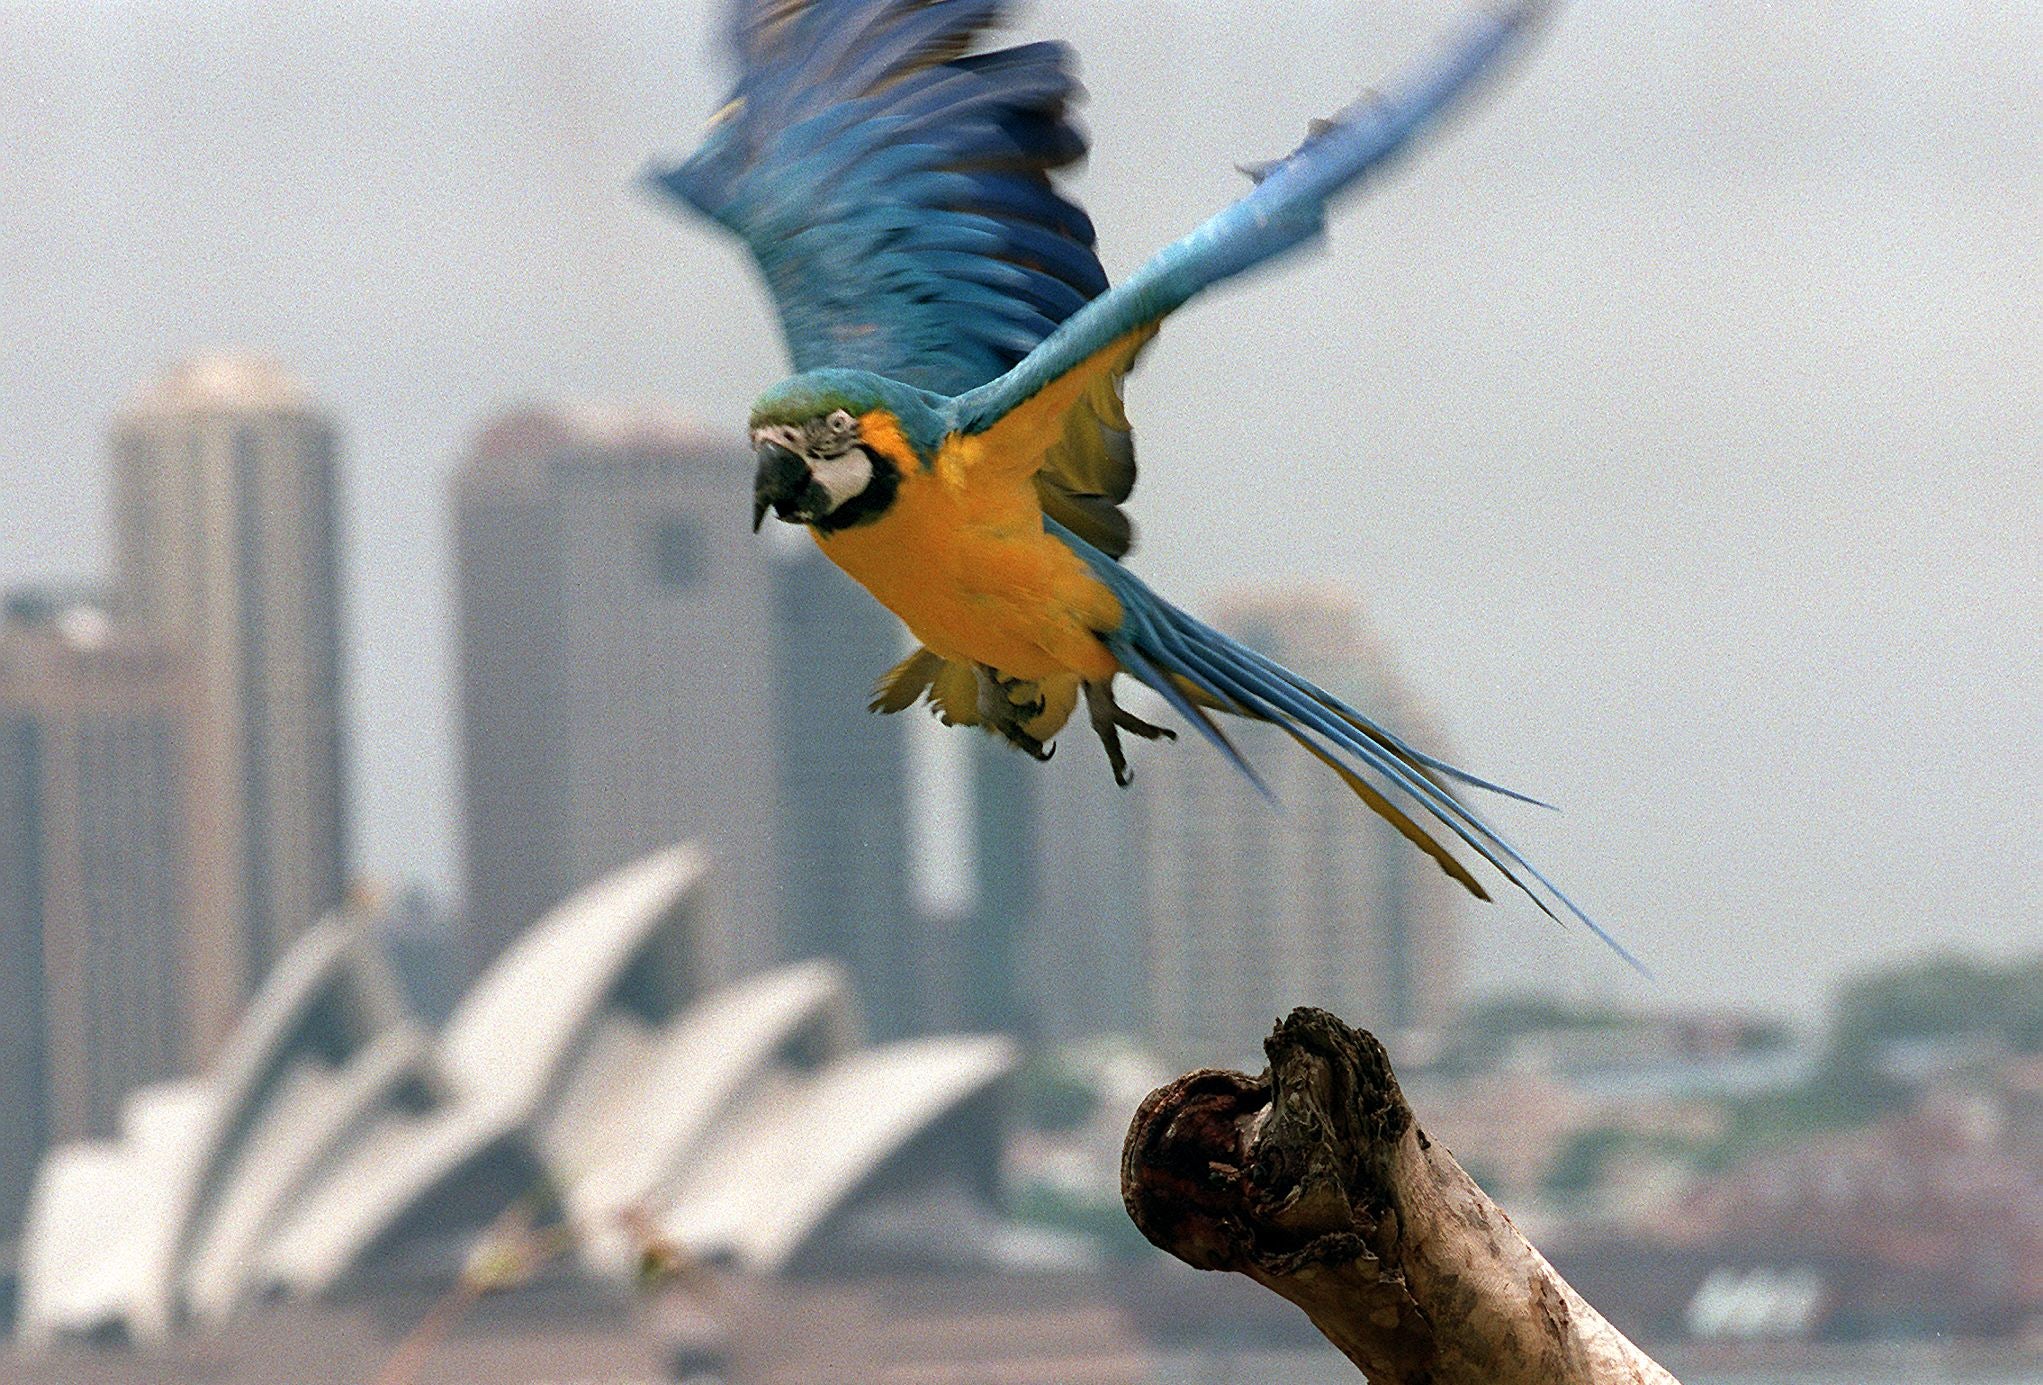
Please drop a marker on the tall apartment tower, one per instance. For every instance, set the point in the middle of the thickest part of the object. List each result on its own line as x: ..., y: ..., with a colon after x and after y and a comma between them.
x: 843, y: 778
x: 1079, y: 971
x: 119, y: 963
x: 993, y: 974
x: 1251, y: 911
x: 225, y: 541
x: 637, y: 667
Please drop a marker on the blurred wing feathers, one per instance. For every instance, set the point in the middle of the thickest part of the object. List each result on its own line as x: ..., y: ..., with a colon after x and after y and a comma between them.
x: 1286, y: 208
x: 895, y: 188
x: 1089, y: 472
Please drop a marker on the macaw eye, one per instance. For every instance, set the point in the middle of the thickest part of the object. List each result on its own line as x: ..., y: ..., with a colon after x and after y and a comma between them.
x: 842, y: 424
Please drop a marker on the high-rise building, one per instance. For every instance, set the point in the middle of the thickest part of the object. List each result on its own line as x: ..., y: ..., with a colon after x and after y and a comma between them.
x: 992, y: 938
x: 225, y: 541
x: 1080, y: 955
x: 1252, y: 910
x: 119, y: 964
x: 843, y: 776
x: 638, y: 668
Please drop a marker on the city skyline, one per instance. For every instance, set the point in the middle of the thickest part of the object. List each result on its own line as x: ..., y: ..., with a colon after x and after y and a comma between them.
x: 577, y: 523
x: 1683, y: 427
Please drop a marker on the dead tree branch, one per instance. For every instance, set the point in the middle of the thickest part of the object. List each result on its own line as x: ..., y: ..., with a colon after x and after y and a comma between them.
x: 1315, y: 1180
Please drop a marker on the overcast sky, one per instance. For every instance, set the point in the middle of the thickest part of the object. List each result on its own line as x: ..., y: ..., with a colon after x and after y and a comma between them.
x: 1678, y: 416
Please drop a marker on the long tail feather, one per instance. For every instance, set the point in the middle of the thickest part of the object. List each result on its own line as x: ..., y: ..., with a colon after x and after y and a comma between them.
x: 1175, y: 654
x: 1232, y: 672
x: 1387, y: 739
x: 1133, y: 660
x: 1392, y: 814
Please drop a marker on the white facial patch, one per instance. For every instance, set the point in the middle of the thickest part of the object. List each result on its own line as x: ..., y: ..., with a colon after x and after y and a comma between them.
x: 842, y: 477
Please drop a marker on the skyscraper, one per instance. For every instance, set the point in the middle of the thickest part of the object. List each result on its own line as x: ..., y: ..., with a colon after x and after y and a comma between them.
x: 1079, y: 972
x: 1250, y: 911
x: 638, y: 668
x: 225, y: 541
x: 993, y: 967
x: 119, y: 964
x: 843, y: 787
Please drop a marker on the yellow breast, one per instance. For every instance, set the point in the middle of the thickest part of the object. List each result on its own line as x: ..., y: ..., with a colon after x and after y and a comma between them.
x: 970, y: 571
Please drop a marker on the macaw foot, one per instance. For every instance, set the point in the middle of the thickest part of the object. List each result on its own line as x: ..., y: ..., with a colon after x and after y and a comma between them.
x: 1110, y: 719
x: 1027, y: 744
x: 1008, y: 705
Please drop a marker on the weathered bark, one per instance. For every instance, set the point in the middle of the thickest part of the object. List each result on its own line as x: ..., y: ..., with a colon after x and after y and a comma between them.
x: 1314, y: 1180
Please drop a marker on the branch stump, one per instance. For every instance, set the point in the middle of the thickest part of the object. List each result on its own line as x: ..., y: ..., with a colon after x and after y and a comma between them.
x: 1315, y: 1180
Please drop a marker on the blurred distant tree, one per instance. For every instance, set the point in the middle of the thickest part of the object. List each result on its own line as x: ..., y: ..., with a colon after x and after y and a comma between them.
x: 1942, y: 998
x: 1052, y: 1096
x: 1580, y: 1165
x: 1099, y: 1219
x: 1488, y: 1029
x: 1953, y: 1001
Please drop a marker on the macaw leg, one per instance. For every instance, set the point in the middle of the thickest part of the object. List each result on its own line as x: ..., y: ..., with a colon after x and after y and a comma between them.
x: 1024, y: 742
x: 999, y: 710
x: 1110, y: 719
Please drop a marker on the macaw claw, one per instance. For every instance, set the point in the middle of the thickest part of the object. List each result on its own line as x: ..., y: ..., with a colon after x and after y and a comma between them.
x: 1008, y: 706
x: 1028, y: 745
x: 1110, y: 719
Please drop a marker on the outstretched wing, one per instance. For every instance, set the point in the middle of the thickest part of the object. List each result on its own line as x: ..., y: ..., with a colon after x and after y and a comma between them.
x: 894, y: 186
x: 1029, y: 405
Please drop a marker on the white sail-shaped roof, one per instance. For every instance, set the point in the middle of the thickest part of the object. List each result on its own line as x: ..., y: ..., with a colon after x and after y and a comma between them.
x: 800, y: 1152
x: 510, y: 1038
x: 624, y: 1146
x: 336, y: 1137
x: 101, y: 1216
x: 547, y: 1025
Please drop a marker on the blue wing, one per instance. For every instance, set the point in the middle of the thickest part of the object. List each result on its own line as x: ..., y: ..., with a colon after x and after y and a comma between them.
x: 894, y: 186
x: 1286, y: 208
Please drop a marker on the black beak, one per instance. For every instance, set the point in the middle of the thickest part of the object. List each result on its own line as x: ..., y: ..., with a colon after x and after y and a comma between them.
x: 780, y: 484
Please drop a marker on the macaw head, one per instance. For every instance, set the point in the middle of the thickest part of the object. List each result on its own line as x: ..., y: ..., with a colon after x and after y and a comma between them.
x: 833, y: 445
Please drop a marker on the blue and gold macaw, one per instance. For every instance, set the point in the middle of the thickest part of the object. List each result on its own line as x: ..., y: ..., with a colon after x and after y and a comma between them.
x: 955, y: 438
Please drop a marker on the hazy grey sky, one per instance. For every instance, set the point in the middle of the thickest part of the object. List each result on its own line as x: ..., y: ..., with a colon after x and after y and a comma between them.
x: 1679, y: 416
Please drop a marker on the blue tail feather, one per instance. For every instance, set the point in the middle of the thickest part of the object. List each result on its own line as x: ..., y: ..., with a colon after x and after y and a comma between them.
x: 1372, y: 727
x: 1157, y: 643
x: 1220, y: 660
x: 1132, y: 659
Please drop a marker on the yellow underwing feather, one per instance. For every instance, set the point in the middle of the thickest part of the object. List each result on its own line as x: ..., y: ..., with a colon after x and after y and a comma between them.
x: 1021, y: 442
x: 955, y: 694
x: 906, y: 681
x: 952, y: 688
x: 1390, y: 813
x: 1090, y: 471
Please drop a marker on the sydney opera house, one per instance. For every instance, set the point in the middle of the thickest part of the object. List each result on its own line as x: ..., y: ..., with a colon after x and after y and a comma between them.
x: 587, y: 1098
